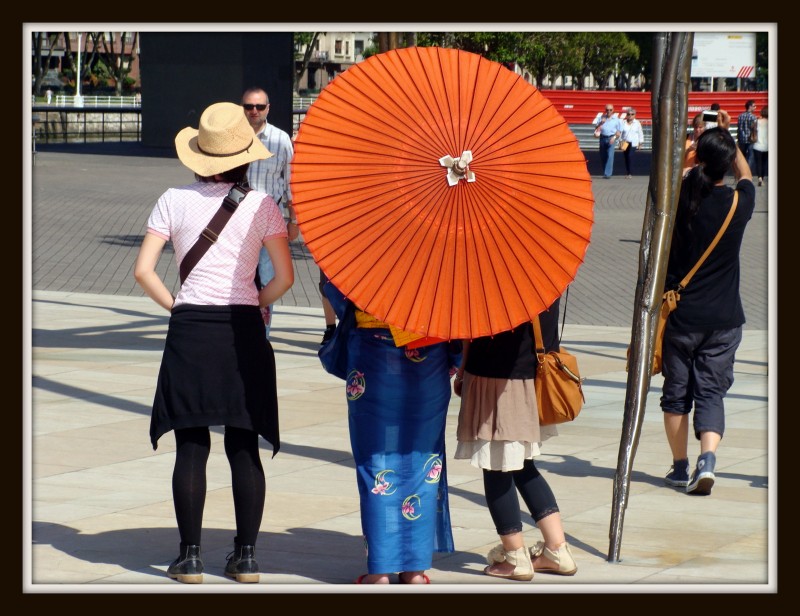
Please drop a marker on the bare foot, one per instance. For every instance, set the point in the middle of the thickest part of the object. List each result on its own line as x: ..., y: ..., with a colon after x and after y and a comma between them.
x: 373, y: 578
x: 414, y: 577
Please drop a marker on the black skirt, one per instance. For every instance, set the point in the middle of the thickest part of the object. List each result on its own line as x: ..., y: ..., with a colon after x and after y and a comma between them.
x: 218, y: 369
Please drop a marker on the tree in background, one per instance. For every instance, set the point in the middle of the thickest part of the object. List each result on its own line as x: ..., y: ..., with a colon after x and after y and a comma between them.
x: 72, y: 60
x: 547, y: 55
x: 639, y: 67
x: 602, y: 54
x: 301, y: 39
x: 762, y: 61
x: 113, y: 53
x: 41, y: 62
x: 393, y: 40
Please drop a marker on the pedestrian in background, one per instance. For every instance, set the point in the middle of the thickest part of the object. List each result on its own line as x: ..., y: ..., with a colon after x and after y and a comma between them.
x: 761, y: 147
x: 608, y: 130
x: 270, y: 176
x: 690, y: 150
x: 632, y: 135
x: 746, y: 131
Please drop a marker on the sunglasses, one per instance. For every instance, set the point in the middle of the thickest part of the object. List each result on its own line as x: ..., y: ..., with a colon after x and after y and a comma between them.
x: 250, y: 107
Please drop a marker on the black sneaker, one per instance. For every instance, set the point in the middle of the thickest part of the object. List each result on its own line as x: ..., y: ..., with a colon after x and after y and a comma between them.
x: 703, y: 476
x: 328, y: 333
x: 678, y: 476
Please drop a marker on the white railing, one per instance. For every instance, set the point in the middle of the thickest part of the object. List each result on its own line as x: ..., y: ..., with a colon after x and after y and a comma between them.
x: 61, y: 100
x: 303, y: 102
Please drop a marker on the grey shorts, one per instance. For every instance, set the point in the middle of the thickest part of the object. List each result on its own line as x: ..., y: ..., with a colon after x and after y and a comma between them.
x: 698, y: 372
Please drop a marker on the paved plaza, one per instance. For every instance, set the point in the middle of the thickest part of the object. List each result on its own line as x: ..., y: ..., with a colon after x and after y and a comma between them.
x: 99, y: 514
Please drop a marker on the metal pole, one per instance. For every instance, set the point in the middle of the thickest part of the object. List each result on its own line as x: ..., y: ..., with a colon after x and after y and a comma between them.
x: 671, y: 66
x: 78, y: 102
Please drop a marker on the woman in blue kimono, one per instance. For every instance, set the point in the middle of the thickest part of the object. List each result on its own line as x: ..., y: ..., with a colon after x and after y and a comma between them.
x: 397, y: 399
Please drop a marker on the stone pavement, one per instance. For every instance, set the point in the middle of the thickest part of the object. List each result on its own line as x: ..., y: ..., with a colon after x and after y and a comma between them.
x: 98, y: 507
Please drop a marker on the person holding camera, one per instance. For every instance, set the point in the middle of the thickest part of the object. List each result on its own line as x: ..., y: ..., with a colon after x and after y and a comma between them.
x: 702, y: 336
x: 608, y: 129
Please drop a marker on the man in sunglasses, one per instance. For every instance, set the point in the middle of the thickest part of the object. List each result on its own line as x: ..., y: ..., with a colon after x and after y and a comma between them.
x: 610, y: 128
x: 271, y: 175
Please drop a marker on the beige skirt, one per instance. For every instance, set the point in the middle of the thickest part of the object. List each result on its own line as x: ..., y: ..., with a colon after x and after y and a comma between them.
x: 498, y: 423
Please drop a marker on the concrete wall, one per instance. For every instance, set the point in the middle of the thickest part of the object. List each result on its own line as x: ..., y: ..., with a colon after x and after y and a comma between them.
x: 182, y: 73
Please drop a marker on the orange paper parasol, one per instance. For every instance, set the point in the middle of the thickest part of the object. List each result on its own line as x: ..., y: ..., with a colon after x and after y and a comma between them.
x: 441, y: 193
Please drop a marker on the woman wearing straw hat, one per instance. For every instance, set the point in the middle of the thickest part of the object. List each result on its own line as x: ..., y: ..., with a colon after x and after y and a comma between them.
x: 217, y: 368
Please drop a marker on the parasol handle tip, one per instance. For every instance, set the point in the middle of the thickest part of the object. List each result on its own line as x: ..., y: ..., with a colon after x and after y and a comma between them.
x: 458, y: 168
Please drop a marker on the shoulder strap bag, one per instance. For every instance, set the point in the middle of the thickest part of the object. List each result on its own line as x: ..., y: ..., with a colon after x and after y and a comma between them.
x: 671, y: 297
x: 558, y: 383
x: 210, y: 234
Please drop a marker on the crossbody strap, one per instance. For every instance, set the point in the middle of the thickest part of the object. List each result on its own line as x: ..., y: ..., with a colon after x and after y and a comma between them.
x: 724, y: 226
x: 210, y: 234
x: 538, y: 339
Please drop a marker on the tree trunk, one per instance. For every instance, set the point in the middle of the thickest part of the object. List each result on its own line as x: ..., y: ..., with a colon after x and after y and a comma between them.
x: 298, y: 73
x: 671, y: 68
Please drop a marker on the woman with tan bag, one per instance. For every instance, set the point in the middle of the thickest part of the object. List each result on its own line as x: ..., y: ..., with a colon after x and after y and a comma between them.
x: 499, y: 432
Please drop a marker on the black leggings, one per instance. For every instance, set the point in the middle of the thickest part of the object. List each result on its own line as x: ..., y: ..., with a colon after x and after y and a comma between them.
x: 189, y: 482
x: 627, y: 154
x: 761, y: 160
x: 501, y: 497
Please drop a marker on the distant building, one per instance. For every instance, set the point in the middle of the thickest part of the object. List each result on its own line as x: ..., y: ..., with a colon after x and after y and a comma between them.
x: 333, y: 53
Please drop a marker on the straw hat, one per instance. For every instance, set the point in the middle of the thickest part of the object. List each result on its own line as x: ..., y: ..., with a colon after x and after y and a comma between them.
x: 224, y: 141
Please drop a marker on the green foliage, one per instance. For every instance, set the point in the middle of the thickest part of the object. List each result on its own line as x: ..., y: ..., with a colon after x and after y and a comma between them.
x: 547, y: 54
x: 370, y: 50
x: 301, y: 39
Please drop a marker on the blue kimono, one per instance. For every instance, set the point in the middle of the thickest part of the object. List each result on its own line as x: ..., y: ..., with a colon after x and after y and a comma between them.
x: 397, y: 402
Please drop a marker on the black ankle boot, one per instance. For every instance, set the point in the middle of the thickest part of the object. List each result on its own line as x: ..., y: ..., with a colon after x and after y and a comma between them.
x: 242, y: 565
x: 187, y: 568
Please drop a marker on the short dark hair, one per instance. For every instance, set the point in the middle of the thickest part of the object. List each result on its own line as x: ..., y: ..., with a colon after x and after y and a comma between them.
x: 255, y: 90
x: 235, y: 175
x: 749, y: 104
x: 715, y: 107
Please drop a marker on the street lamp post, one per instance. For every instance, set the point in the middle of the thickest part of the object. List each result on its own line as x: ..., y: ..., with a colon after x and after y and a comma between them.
x: 78, y: 102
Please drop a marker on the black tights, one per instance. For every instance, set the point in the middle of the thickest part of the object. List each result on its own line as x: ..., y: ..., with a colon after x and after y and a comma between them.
x: 189, y: 482
x: 501, y: 497
x: 627, y: 155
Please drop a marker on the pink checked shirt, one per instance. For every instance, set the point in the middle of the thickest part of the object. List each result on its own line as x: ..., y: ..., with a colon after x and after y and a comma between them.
x: 224, y: 275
